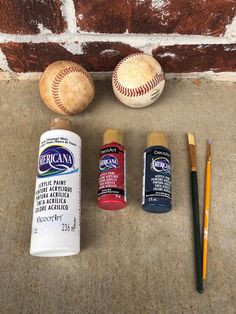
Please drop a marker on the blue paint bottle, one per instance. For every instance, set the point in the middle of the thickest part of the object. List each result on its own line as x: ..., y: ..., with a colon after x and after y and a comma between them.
x: 157, y: 174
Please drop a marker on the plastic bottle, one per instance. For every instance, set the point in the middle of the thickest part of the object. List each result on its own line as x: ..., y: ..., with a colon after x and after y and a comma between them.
x: 56, y: 213
x: 157, y: 174
x: 112, y: 171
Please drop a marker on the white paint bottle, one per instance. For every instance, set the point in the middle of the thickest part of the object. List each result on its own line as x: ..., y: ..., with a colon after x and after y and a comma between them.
x: 56, y: 212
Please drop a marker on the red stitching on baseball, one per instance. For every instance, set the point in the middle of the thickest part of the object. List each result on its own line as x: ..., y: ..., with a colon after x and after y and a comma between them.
x: 137, y: 91
x: 56, y: 82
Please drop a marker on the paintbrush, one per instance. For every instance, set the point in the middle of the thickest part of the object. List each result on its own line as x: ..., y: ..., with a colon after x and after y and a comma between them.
x: 206, y: 210
x: 195, y: 205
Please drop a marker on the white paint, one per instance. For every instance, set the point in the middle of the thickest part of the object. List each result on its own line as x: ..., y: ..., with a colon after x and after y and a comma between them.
x: 43, y: 30
x: 135, y: 40
x: 100, y: 76
x: 109, y: 51
x: 80, y: 16
x: 208, y: 75
x: 156, y: 4
x: 231, y: 29
x: 68, y: 12
x: 74, y: 48
x: 230, y: 49
x: 3, y: 62
x: 167, y: 54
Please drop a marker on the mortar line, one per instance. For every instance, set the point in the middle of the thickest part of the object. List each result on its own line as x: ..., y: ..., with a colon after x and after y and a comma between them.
x: 130, y: 39
x: 217, y: 76
x: 3, y: 62
x: 68, y: 12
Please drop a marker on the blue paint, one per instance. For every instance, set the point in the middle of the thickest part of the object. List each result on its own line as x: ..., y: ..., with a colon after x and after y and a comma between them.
x: 157, y: 180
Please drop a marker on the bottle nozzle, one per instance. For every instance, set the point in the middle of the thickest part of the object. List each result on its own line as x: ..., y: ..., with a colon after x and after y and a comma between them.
x: 61, y: 123
x: 155, y: 138
x: 112, y: 135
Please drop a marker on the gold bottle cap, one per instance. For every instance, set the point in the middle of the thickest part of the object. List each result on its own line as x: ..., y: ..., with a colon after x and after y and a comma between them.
x: 61, y: 123
x: 112, y: 135
x: 155, y: 138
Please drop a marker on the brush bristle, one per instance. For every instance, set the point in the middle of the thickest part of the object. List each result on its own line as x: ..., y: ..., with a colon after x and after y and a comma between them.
x: 191, y: 139
x: 209, y: 149
x: 209, y: 141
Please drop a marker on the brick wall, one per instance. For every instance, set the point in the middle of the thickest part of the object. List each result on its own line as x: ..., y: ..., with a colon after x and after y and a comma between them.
x: 183, y: 35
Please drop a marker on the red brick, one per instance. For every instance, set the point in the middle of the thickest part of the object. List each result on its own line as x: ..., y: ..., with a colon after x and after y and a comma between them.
x: 103, y: 16
x: 196, y: 58
x: 104, y: 56
x: 199, y: 17
x: 98, y: 56
x: 29, y: 57
x: 23, y: 16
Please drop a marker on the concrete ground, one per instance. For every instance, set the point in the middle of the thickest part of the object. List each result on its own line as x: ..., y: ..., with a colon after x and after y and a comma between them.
x: 130, y: 261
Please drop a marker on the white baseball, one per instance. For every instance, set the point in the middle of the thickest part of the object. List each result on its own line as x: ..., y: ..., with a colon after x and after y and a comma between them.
x: 138, y: 80
x: 66, y: 87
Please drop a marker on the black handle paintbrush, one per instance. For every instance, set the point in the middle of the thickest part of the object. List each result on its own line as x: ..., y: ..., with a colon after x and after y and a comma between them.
x: 195, y: 204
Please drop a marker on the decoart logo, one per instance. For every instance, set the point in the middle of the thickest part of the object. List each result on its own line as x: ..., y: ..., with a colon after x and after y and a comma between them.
x: 108, y: 162
x: 55, y: 159
x: 160, y: 164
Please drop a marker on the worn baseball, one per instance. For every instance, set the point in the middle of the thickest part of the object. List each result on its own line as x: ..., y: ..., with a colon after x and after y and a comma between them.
x: 138, y: 80
x: 66, y: 87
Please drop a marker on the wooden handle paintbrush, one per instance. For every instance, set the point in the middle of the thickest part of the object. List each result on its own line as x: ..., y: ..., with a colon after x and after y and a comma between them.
x: 206, y: 211
x: 195, y: 205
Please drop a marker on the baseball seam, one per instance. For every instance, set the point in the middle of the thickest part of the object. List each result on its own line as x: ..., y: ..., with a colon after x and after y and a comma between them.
x: 56, y: 84
x: 136, y: 91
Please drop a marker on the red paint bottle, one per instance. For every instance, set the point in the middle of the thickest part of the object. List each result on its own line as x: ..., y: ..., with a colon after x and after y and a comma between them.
x: 112, y: 174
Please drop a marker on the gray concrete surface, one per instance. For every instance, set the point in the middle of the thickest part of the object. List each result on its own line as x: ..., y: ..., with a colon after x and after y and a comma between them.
x: 131, y: 261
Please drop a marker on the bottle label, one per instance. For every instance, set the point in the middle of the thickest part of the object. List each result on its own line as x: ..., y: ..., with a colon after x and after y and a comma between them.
x: 157, y: 175
x: 57, y: 192
x: 112, y: 171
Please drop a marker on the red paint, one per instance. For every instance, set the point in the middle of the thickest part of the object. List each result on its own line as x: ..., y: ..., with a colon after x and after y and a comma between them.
x: 193, y: 17
x: 111, y: 183
x: 35, y: 57
x: 24, y: 17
